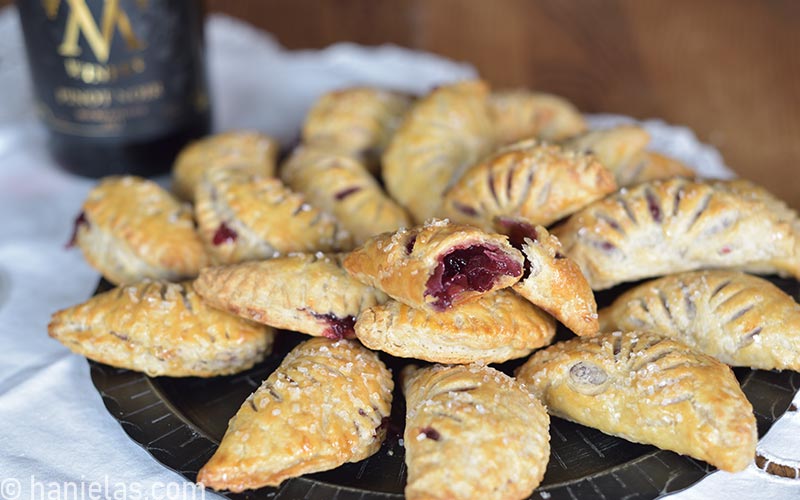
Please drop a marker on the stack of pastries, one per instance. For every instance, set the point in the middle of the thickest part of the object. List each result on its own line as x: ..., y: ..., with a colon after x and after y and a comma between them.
x: 454, y: 229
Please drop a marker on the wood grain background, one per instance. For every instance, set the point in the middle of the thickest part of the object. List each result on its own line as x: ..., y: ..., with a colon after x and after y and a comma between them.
x: 729, y: 69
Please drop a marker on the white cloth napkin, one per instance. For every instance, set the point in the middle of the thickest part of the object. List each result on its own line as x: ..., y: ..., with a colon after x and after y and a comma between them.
x: 54, y: 429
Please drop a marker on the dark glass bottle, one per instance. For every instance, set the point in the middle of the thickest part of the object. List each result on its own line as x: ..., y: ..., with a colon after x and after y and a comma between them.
x: 120, y: 84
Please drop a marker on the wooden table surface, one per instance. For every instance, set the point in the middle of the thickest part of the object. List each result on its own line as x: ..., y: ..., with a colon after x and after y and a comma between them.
x: 729, y: 69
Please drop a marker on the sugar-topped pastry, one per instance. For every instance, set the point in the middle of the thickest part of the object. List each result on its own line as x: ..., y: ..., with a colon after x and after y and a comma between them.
x: 236, y: 149
x: 130, y: 229
x: 648, y: 389
x: 324, y: 406
x: 491, y: 329
x: 161, y: 328
x: 677, y: 225
x: 436, y: 265
x: 522, y: 114
x: 308, y: 293
x: 472, y: 432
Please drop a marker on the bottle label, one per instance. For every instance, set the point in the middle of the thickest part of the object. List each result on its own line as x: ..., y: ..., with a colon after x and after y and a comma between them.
x: 116, y: 68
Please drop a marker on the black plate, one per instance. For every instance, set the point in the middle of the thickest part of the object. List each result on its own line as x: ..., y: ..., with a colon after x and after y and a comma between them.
x: 181, y: 420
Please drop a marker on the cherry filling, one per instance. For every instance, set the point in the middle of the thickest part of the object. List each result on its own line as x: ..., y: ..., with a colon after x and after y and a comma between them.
x: 344, y: 193
x: 338, y: 328
x: 80, y: 220
x: 431, y: 433
x: 224, y: 234
x: 472, y: 268
x: 517, y: 230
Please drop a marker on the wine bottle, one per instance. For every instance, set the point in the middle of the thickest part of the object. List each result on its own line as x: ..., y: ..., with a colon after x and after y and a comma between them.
x: 120, y: 84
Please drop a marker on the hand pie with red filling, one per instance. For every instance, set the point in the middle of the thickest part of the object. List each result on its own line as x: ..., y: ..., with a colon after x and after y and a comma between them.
x: 437, y: 265
x: 237, y: 149
x: 522, y: 114
x: 341, y: 185
x: 647, y: 389
x: 243, y: 217
x: 666, y: 227
x: 324, y: 406
x: 741, y: 320
x: 492, y: 329
x: 442, y: 135
x: 472, y: 432
x: 161, y: 328
x: 540, y: 183
x: 305, y: 293
x: 131, y: 229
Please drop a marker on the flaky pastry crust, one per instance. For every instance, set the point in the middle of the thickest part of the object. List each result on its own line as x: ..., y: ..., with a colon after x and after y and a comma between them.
x: 521, y: 114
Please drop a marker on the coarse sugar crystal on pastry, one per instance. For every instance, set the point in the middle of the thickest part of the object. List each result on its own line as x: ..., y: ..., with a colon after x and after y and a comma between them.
x: 622, y: 150
x: 357, y: 120
x: 436, y: 265
x: 551, y: 280
x: 341, y: 185
x: 491, y: 329
x: 540, y: 183
x: 161, y: 329
x: 324, y: 406
x: 308, y: 293
x: 472, y: 432
x: 647, y: 389
x: 522, y: 114
x: 442, y: 135
x: 244, y: 216
x: 677, y: 225
x: 130, y: 228
x: 741, y: 320
x: 236, y: 149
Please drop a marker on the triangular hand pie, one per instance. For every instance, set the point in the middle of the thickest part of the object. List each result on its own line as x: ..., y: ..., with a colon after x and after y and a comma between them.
x: 308, y: 293
x: 472, y: 432
x: 161, y: 328
x: 324, y: 406
x: 647, y: 389
x: 739, y: 319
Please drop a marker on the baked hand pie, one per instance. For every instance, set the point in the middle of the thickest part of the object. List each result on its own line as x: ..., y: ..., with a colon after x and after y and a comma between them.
x: 551, y: 280
x: 522, y: 114
x: 358, y: 120
x: 666, y: 227
x: 161, y: 328
x: 647, y: 389
x: 492, y: 329
x: 308, y: 293
x: 324, y: 406
x: 739, y: 319
x: 341, y: 185
x: 437, y: 265
x: 622, y: 150
x: 441, y: 136
x: 130, y: 229
x: 540, y: 183
x: 472, y: 432
x: 243, y: 216
x: 237, y: 149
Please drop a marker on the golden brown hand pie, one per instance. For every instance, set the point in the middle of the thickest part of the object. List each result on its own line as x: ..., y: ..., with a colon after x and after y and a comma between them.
x: 237, y: 149
x: 341, y: 185
x: 739, y: 319
x: 622, y: 150
x: 665, y: 227
x: 647, y: 389
x: 437, y: 265
x: 306, y: 293
x: 441, y: 136
x: 552, y: 280
x: 472, y: 432
x: 359, y: 121
x: 538, y: 182
x: 492, y: 329
x: 522, y: 114
x: 324, y: 406
x: 161, y: 328
x: 130, y: 229
x: 243, y: 216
